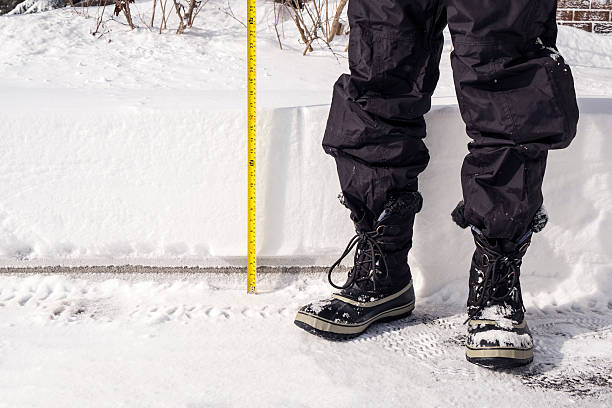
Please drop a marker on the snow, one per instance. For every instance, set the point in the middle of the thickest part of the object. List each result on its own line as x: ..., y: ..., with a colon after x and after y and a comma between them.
x: 497, y: 313
x: 97, y: 188
x: 133, y: 152
x: 35, y: 6
x: 189, y: 340
x: 503, y: 338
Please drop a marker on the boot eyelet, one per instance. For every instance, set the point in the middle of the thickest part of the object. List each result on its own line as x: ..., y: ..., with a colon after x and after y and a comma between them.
x: 380, y: 229
x: 485, y: 259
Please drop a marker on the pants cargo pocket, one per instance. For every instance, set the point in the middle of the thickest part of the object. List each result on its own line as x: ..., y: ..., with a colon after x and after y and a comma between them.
x: 540, y: 96
x: 562, y: 81
x: 528, y: 102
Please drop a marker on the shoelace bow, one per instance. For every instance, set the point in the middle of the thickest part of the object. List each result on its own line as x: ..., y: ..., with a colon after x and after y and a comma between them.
x: 492, y: 279
x: 367, y: 248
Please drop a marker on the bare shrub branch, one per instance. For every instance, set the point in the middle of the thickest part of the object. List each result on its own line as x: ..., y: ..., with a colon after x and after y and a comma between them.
x: 312, y: 20
x: 124, y: 6
x: 335, y: 27
x: 230, y: 13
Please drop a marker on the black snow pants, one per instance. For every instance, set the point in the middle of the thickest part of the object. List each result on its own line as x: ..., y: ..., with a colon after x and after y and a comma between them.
x: 515, y: 93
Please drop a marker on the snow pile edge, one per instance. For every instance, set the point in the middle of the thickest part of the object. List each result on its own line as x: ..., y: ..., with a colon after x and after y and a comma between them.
x: 165, y: 186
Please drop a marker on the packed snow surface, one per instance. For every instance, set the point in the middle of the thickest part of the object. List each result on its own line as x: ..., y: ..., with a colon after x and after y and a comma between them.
x: 188, y: 340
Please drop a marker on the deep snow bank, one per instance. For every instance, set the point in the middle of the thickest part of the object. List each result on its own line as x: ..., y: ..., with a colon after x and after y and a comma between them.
x: 133, y: 151
x: 129, y: 184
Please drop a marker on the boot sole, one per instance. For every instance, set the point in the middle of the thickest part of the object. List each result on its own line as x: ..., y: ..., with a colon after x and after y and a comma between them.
x: 338, y: 331
x: 499, y: 357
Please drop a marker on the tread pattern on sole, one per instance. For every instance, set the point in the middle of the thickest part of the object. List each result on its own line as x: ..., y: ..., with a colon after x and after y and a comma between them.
x: 499, y: 362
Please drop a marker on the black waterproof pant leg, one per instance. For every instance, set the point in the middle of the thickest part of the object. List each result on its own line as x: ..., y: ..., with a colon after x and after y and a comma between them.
x: 515, y: 94
x: 375, y: 128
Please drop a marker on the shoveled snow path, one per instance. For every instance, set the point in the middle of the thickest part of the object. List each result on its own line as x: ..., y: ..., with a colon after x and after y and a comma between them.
x: 187, y: 340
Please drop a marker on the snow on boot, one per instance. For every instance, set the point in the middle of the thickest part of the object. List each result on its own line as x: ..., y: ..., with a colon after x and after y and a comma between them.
x: 498, y: 335
x: 379, y: 285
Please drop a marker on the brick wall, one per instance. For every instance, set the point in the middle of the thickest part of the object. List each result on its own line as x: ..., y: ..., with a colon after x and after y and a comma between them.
x: 589, y: 15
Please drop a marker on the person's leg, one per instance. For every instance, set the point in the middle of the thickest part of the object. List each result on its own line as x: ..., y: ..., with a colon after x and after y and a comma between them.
x: 517, y: 99
x: 375, y: 128
x: 375, y: 132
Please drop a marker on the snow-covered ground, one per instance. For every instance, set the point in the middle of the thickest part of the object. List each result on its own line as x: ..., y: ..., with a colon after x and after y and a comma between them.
x: 133, y: 151
x: 181, y: 340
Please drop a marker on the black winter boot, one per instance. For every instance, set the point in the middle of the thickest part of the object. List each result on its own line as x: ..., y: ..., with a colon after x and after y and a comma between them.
x: 498, y: 335
x: 379, y: 285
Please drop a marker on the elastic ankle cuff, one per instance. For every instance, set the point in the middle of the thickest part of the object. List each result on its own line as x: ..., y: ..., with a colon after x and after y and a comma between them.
x: 537, y: 224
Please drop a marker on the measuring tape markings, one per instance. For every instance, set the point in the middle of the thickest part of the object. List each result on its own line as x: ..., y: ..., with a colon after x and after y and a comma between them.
x: 252, y: 146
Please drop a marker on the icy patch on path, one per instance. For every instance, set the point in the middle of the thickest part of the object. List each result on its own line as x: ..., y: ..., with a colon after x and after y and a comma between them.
x: 197, y: 340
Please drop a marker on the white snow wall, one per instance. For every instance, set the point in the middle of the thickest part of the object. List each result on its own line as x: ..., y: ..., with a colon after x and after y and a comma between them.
x: 144, y: 180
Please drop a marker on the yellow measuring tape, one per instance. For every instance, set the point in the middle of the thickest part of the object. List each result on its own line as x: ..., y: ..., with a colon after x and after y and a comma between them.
x: 252, y: 148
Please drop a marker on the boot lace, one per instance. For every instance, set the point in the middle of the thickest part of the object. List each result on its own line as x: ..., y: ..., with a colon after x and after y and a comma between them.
x: 364, y: 264
x: 502, y: 272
